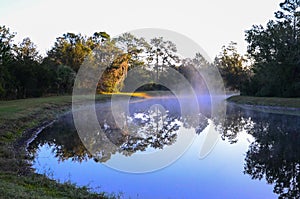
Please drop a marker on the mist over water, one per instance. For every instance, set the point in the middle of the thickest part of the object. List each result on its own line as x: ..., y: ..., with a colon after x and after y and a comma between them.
x: 156, y: 126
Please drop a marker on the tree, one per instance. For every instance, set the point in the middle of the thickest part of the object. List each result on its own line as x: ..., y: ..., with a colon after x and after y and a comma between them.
x: 275, y: 50
x: 6, y: 57
x: 71, y: 49
x: 6, y: 39
x: 191, y: 69
x: 65, y: 79
x: 135, y: 52
x: 69, y: 53
x: 133, y: 46
x: 29, y: 75
x: 27, y: 51
x: 113, y: 77
x: 232, y: 67
x: 290, y: 12
x: 162, y: 54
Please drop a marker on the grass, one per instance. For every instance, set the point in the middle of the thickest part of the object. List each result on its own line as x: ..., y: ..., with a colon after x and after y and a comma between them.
x: 18, y: 119
x: 39, y: 186
x: 266, y: 101
x: 17, y: 179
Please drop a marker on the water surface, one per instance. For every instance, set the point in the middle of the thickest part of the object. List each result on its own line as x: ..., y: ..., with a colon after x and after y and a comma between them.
x: 257, y: 155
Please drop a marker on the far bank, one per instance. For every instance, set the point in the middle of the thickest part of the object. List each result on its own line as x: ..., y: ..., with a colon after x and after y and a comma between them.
x: 270, y: 104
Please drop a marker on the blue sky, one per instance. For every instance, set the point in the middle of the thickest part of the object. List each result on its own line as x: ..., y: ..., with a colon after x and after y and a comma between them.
x: 209, y: 23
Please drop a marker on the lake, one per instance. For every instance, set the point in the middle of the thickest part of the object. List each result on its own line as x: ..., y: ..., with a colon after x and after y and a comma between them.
x: 155, y: 152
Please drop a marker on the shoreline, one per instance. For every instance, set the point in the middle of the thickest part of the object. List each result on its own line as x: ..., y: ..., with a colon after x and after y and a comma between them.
x: 20, y: 122
x: 290, y: 106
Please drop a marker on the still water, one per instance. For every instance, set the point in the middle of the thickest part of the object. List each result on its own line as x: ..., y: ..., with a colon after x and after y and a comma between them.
x: 257, y: 154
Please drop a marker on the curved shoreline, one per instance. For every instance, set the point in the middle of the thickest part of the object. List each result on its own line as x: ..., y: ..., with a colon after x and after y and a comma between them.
x: 21, y: 121
x: 30, y: 134
x: 257, y: 103
x: 20, y: 127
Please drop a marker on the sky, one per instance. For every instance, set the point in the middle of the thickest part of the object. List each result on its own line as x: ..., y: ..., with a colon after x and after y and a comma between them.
x: 211, y: 24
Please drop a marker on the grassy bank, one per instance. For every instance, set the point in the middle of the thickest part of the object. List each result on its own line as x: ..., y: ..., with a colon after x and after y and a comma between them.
x: 284, y: 103
x: 17, y: 179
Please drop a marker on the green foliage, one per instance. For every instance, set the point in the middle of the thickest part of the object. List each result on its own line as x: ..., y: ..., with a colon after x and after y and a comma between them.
x: 134, y: 47
x: 17, y: 179
x: 21, y: 72
x: 193, y: 69
x: 5, y: 58
x: 26, y: 51
x: 26, y: 70
x: 24, y: 73
x: 276, y: 53
x: 5, y: 45
x: 65, y: 79
x: 113, y: 77
x: 232, y: 67
x: 69, y: 50
x: 158, y: 55
x: 27, y: 74
x: 72, y: 49
x: 162, y: 54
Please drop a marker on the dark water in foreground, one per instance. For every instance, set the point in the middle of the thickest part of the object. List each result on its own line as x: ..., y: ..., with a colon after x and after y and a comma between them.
x: 257, y: 154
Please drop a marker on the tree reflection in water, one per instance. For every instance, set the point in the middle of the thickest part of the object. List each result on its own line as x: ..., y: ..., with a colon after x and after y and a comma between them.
x: 147, y: 126
x: 63, y: 139
x: 275, y: 153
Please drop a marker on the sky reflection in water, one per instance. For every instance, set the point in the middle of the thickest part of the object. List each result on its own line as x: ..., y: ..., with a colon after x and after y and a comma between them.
x: 253, y: 145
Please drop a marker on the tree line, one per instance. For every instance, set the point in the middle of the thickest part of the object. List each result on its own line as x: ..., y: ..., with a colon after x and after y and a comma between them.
x: 271, y: 66
x: 25, y: 73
